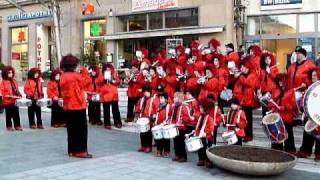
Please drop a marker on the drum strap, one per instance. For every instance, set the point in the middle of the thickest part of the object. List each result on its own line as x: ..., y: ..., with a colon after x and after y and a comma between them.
x: 215, y: 115
x: 204, y: 125
x: 150, y: 106
x: 167, y: 114
x: 142, y: 105
x: 179, y: 115
x: 239, y: 115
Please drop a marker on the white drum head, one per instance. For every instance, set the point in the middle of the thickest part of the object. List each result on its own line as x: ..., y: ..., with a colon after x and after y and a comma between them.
x: 271, y: 118
x: 312, y: 101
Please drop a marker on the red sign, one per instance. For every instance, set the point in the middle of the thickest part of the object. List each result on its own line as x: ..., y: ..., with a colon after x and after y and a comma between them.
x: 15, y: 56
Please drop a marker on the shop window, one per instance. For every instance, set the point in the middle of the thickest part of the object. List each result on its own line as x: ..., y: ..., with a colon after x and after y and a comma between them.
x: 19, y: 51
x: 94, y: 28
x: 122, y: 24
x: 306, y: 23
x: 253, y: 26
x: 156, y: 21
x: 181, y: 18
x: 279, y: 24
x: 138, y: 22
x: 309, y: 44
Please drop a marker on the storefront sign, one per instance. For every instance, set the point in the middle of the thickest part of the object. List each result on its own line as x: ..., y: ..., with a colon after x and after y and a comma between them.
x: 42, y: 47
x: 280, y: 4
x: 31, y: 15
x: 146, y: 5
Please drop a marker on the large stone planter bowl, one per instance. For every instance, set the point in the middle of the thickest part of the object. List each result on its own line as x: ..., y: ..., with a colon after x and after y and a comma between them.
x: 254, y: 166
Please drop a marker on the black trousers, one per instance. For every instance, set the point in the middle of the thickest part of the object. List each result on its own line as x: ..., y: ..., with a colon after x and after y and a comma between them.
x: 94, y: 112
x: 221, y: 103
x: 130, y: 112
x: 115, y: 113
x: 57, y: 114
x: 202, y: 155
x: 215, y: 133
x: 163, y: 145
x: 12, y: 113
x: 179, y: 145
x: 248, y: 129
x: 34, y: 110
x: 239, y: 143
x: 146, y: 139
x: 77, y: 131
x: 288, y: 144
x: 308, y: 142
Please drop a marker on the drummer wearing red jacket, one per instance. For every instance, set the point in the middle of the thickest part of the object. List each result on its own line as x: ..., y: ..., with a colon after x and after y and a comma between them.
x: 54, y: 93
x: 146, y: 108
x: 10, y: 90
x: 205, y: 126
x: 94, y: 108
x: 33, y: 90
x: 108, y: 89
x: 73, y: 87
x: 287, y: 105
x: 134, y: 92
x: 236, y: 121
x: 163, y: 114
x: 180, y: 117
x: 244, y: 91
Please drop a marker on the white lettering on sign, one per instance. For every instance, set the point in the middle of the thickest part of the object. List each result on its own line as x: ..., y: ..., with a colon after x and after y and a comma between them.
x: 146, y: 5
x: 31, y: 15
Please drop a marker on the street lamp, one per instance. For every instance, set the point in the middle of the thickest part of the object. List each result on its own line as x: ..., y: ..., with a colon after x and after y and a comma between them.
x: 110, y: 13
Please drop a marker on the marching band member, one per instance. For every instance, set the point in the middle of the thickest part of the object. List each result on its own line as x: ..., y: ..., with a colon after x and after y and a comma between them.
x: 181, y: 57
x: 73, y: 87
x: 298, y: 71
x: 254, y: 52
x: 205, y: 127
x: 268, y: 73
x: 216, y: 113
x: 208, y: 83
x: 10, y: 92
x: 153, y: 79
x: 54, y: 93
x: 232, y: 55
x: 159, y: 57
x: 236, y: 120
x: 191, y: 79
x: 146, y: 108
x: 33, y: 90
x: 180, y: 118
x: 145, y: 62
x: 108, y: 89
x: 308, y: 140
x: 94, y: 108
x: 163, y: 114
x: 134, y: 92
x: 194, y: 111
x: 244, y: 91
x: 286, y: 109
x: 170, y: 80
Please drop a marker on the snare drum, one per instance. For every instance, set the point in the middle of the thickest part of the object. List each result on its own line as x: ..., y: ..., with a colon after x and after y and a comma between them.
x: 170, y: 131
x: 313, y: 129
x: 143, y: 125
x: 157, y: 132
x: 274, y: 128
x: 23, y: 102
x: 311, y: 102
x: 230, y: 137
x: 193, y: 144
x: 226, y: 95
x: 44, y: 102
x: 265, y: 99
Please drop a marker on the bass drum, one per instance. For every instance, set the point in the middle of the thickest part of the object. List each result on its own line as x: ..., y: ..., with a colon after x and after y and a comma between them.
x: 311, y: 102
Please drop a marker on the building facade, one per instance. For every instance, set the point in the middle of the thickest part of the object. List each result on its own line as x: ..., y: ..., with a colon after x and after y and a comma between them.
x: 279, y: 26
x: 113, y: 30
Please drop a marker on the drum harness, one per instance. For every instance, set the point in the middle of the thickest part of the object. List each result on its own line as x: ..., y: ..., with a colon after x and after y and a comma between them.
x: 167, y: 114
x: 229, y: 119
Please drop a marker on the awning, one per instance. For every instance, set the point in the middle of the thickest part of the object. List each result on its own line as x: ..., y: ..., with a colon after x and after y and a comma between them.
x: 166, y: 32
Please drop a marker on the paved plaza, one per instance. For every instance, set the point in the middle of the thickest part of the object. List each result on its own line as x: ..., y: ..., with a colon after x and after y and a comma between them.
x: 41, y: 154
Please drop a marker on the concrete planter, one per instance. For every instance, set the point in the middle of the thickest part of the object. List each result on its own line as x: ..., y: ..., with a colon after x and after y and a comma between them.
x: 252, y: 168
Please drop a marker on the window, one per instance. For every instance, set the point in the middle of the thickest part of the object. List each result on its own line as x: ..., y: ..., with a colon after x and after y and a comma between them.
x: 138, y: 22
x: 253, y: 26
x: 309, y: 45
x: 306, y: 23
x: 122, y: 24
x: 181, y: 18
x: 279, y: 24
x: 318, y: 22
x: 19, y: 51
x: 156, y: 20
x: 93, y: 28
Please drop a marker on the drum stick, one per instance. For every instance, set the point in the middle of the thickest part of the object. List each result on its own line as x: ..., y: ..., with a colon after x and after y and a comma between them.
x: 15, y: 97
x: 91, y: 93
x: 275, y: 104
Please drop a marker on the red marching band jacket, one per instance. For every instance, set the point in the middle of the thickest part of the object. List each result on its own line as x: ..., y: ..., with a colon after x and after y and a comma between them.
x: 194, y: 111
x: 94, y: 85
x: 30, y: 89
x: 147, y: 108
x: 52, y: 89
x: 236, y: 121
x: 8, y: 90
x: 208, y: 123
x: 135, y: 86
x: 181, y: 116
x: 244, y: 89
x: 109, y: 90
x: 233, y: 56
x: 209, y: 87
x: 299, y: 75
x: 163, y: 114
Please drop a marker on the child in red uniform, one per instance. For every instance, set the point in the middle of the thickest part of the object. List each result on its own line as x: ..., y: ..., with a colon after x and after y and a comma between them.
x: 236, y: 120
x: 205, y: 127
x: 180, y: 117
x: 94, y: 108
x: 10, y: 90
x: 146, y: 108
x: 33, y: 90
x: 54, y: 93
x: 163, y: 114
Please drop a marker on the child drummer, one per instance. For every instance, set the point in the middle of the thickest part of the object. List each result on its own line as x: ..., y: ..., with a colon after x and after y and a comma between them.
x: 163, y: 114
x: 146, y: 108
x: 236, y: 120
x: 205, y: 126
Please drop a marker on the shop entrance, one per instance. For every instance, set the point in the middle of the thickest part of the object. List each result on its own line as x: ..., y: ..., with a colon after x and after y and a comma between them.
x: 282, y: 48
